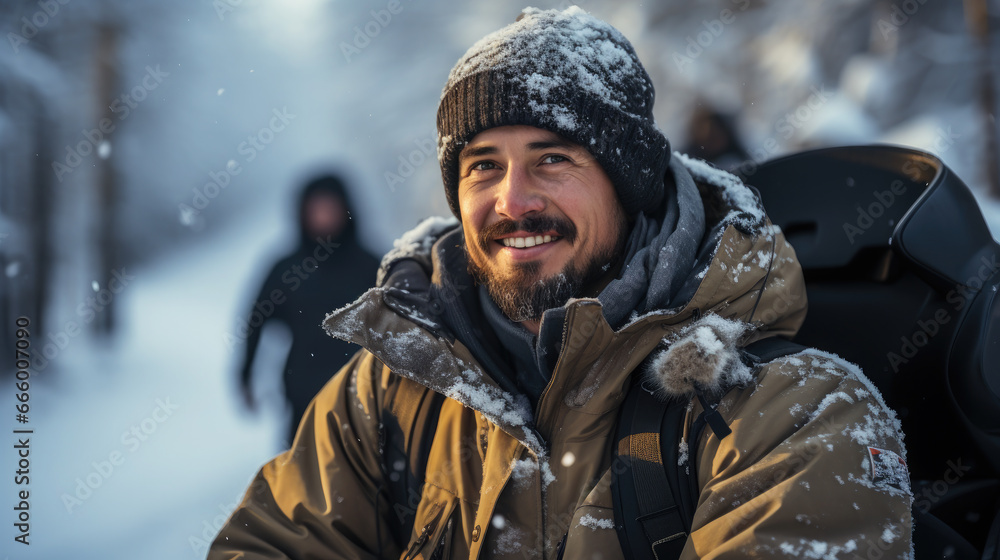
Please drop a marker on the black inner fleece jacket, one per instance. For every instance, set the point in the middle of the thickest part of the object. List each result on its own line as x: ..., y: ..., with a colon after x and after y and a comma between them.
x: 533, y: 357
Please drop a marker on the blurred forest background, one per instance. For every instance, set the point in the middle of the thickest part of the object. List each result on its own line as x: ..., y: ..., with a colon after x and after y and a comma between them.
x: 151, y: 152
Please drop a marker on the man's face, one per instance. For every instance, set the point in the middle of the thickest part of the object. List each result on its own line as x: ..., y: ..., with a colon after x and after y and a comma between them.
x: 541, y: 218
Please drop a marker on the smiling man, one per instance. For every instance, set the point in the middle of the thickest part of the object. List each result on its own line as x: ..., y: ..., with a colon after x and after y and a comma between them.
x: 485, y: 416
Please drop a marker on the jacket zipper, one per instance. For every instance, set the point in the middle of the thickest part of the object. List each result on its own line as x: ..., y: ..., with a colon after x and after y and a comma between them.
x: 425, y: 534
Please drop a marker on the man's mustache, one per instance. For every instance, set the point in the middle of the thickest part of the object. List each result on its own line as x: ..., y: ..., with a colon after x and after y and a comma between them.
x: 538, y: 225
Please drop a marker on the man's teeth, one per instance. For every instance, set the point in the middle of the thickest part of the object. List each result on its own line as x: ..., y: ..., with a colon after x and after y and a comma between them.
x: 526, y: 241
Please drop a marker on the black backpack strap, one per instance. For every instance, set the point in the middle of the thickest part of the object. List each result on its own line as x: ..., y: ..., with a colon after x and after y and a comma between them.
x: 654, y: 497
x: 652, y: 508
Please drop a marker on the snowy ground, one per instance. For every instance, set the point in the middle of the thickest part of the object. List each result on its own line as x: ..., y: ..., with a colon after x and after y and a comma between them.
x: 168, y: 493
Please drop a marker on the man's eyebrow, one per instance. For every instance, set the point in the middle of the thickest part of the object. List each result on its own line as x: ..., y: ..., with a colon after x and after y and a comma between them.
x: 547, y: 144
x: 476, y: 152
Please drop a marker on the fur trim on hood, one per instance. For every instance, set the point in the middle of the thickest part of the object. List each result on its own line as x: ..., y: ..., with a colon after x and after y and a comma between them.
x: 703, y: 358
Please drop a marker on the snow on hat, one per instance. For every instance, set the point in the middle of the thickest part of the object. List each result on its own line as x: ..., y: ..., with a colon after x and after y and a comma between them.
x: 567, y: 72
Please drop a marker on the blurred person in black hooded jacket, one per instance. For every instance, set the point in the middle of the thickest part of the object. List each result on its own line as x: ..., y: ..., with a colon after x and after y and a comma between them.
x: 328, y: 270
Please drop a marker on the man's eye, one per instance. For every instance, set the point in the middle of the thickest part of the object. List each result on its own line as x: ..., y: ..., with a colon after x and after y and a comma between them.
x: 483, y: 166
x: 554, y: 158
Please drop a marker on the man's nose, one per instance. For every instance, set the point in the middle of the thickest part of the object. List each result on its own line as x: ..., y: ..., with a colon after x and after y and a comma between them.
x: 518, y: 194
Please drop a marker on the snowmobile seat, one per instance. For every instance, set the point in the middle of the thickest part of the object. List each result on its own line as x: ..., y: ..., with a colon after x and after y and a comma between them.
x: 902, y: 277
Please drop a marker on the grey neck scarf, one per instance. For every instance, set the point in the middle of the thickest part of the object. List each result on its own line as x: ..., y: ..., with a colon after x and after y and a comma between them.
x: 661, y: 254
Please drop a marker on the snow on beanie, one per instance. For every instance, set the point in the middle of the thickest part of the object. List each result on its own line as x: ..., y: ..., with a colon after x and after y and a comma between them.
x: 567, y: 72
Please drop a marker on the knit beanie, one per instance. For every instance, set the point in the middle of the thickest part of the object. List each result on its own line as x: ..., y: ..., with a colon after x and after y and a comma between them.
x: 567, y: 72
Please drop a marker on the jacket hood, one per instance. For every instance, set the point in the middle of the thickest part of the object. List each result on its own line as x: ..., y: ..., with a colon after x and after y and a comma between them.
x: 747, y: 279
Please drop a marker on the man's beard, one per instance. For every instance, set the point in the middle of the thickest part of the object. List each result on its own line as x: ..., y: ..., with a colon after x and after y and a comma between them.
x: 519, y: 292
